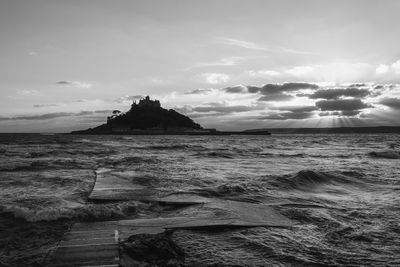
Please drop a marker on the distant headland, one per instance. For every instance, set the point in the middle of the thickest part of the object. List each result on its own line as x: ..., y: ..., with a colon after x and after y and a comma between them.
x: 147, y: 117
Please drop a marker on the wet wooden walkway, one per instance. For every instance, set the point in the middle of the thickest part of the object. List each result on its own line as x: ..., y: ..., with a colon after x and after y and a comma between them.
x: 97, y: 243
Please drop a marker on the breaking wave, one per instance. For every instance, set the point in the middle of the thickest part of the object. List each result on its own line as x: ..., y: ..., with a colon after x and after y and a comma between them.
x: 76, y: 211
x: 385, y: 154
x: 309, y: 179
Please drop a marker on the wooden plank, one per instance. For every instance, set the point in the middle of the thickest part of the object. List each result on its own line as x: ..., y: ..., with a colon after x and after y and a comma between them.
x: 211, y: 215
x: 183, y: 199
x: 88, y: 244
x: 111, y: 186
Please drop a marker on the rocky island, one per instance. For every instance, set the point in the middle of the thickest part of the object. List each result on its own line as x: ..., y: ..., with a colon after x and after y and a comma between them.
x: 147, y: 117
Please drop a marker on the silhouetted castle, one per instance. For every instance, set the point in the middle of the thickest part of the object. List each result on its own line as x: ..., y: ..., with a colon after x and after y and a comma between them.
x: 148, y: 117
x: 146, y: 103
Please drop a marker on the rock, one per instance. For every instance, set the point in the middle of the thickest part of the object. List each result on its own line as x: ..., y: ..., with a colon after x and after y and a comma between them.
x: 158, y: 249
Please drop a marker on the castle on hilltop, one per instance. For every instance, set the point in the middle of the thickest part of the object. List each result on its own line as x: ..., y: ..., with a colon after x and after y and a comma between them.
x: 146, y: 103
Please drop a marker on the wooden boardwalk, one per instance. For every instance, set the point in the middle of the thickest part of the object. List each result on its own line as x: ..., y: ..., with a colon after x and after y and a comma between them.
x: 97, y: 243
x: 88, y: 244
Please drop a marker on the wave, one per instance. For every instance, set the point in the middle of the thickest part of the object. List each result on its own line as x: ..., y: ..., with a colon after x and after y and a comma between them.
x: 132, y: 160
x: 75, y: 211
x: 70, y: 152
x: 385, y: 154
x: 215, y: 154
x: 284, y: 155
x: 220, y: 191
x: 173, y: 147
x: 308, y: 179
x: 45, y: 164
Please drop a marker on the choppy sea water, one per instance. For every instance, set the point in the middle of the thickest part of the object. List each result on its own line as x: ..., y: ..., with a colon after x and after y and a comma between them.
x: 342, y: 192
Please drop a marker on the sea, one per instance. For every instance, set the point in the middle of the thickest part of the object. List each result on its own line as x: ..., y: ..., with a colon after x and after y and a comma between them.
x: 342, y: 191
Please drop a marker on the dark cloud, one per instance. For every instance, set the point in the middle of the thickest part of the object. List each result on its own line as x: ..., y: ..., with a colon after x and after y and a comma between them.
x: 303, y: 95
x: 275, y: 97
x: 269, y: 89
x: 49, y: 116
x: 198, y: 92
x: 289, y: 116
x: 391, y: 102
x: 337, y: 93
x: 38, y: 117
x: 341, y: 104
x: 253, y: 89
x: 225, y: 109
x: 85, y: 113
x: 204, y: 115
x: 63, y: 82
x: 235, y: 89
x: 379, y: 87
x: 273, y: 92
x: 44, y: 105
x: 357, y: 85
x: 296, y: 108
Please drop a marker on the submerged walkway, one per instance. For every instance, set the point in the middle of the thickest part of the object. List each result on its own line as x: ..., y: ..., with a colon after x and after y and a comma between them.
x: 97, y: 243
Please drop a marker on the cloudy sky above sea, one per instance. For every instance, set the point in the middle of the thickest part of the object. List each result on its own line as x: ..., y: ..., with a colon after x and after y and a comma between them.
x: 65, y: 65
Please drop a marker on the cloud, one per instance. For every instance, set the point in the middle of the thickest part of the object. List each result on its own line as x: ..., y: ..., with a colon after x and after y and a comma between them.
x: 236, y: 89
x: 337, y: 93
x: 215, y: 78
x: 198, y: 92
x: 263, y: 73
x: 243, y: 44
x: 334, y: 72
x: 38, y: 117
x: 276, y: 92
x: 226, y: 109
x: 275, y: 97
x: 128, y: 98
x: 345, y: 113
x: 271, y: 92
x: 227, y: 61
x: 76, y: 84
x: 49, y: 116
x: 27, y: 92
x: 269, y: 89
x: 255, y: 46
x: 296, y: 108
x: 289, y: 116
x: 341, y: 105
x: 44, y: 105
x: 357, y: 85
x: 393, y: 103
x: 392, y: 68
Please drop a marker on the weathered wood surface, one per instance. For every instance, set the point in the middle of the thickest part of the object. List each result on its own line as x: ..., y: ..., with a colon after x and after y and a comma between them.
x: 215, y: 214
x: 96, y: 244
x: 110, y: 186
x: 88, y: 244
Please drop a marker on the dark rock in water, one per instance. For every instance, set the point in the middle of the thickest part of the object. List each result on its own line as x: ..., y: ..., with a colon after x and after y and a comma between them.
x: 158, y: 249
x: 147, y: 115
x: 148, y: 118
x: 385, y: 154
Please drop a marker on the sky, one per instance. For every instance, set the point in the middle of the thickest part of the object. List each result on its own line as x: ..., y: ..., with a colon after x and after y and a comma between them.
x: 231, y: 65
